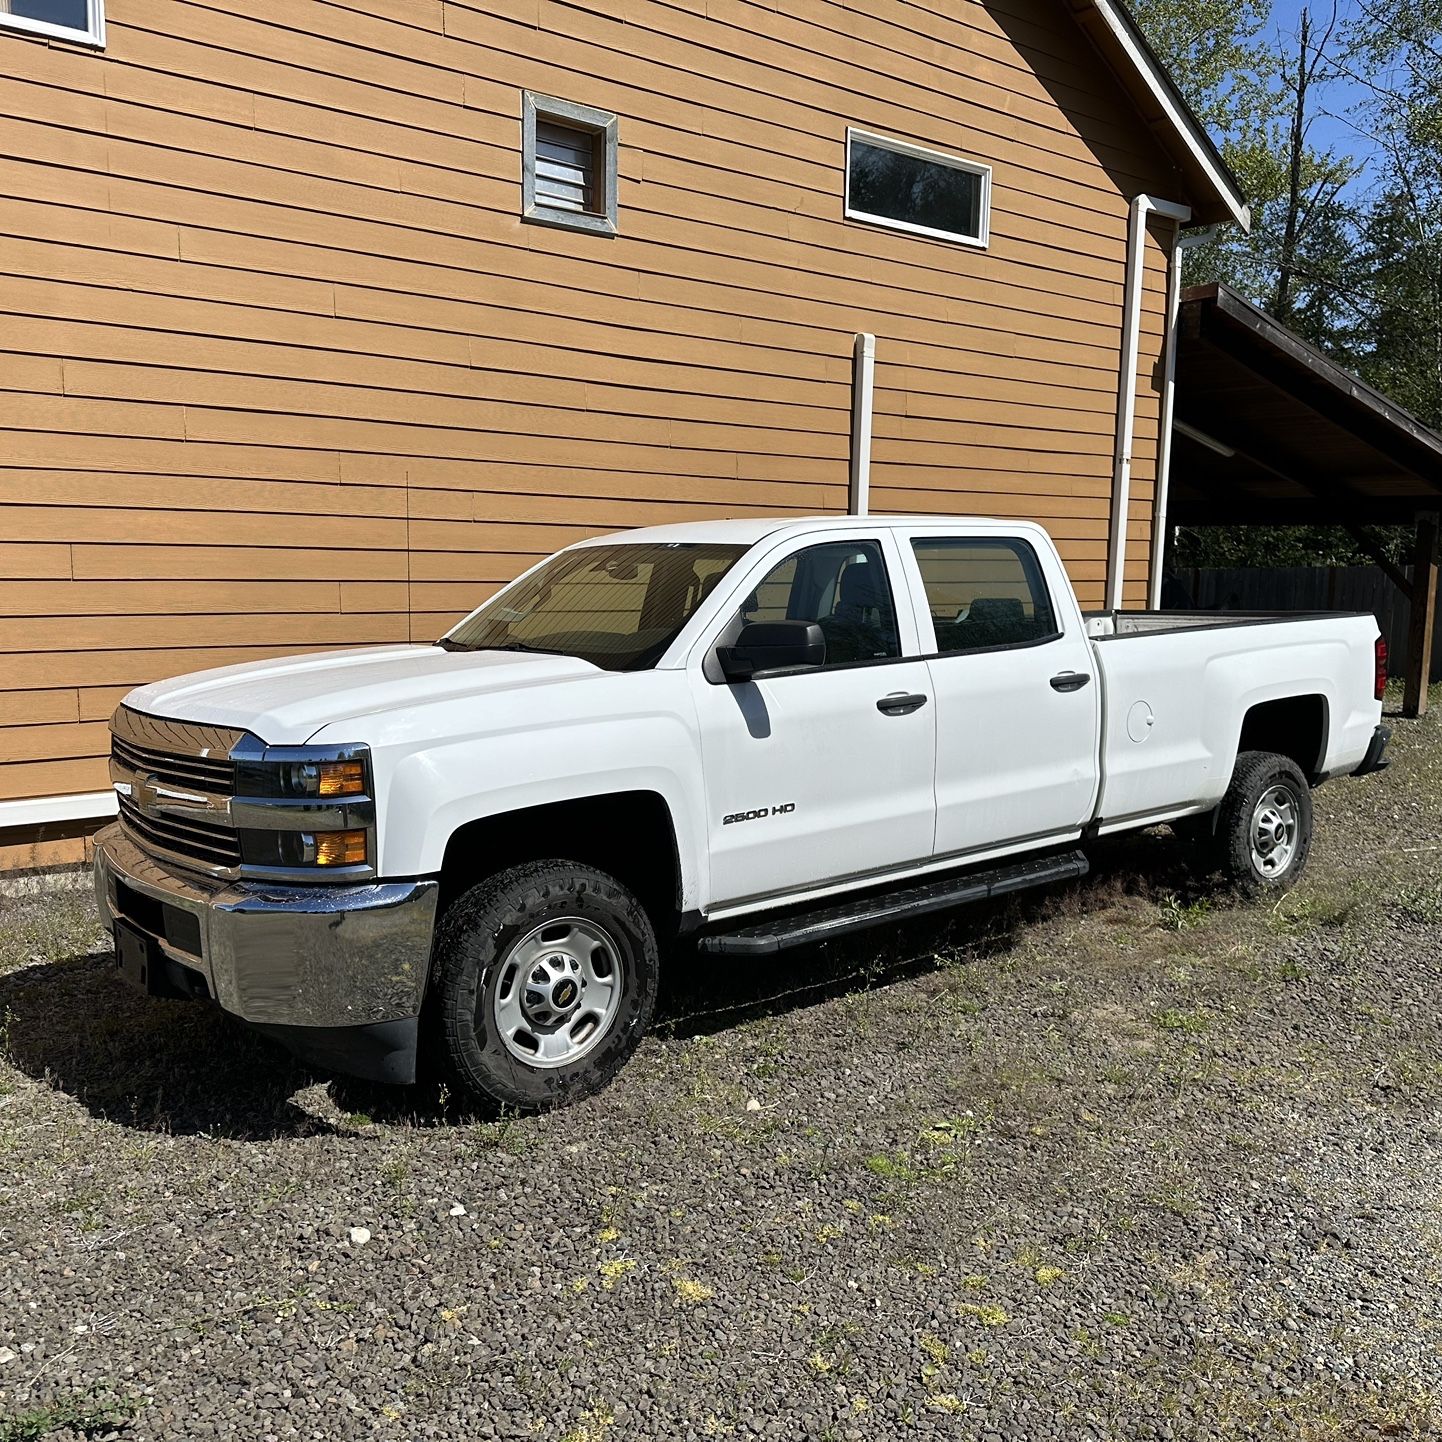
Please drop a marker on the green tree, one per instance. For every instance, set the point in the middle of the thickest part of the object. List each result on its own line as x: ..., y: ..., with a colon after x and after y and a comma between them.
x: 1284, y: 546
x: 1399, y: 338
x: 1260, y: 93
x: 1218, y: 53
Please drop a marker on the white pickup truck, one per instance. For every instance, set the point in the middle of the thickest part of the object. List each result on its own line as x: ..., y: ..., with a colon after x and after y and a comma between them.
x: 723, y: 738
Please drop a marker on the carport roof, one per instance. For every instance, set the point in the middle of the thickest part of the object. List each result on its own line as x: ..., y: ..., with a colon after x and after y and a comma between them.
x: 1269, y: 430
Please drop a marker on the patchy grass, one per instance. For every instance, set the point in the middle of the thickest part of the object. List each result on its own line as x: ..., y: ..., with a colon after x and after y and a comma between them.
x: 1154, y: 1156
x: 1420, y: 902
x: 92, y: 1415
x: 1174, y: 914
x: 691, y: 1292
x: 1175, y: 1018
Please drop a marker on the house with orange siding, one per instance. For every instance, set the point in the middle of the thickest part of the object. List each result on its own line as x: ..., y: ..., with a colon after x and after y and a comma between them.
x: 318, y: 322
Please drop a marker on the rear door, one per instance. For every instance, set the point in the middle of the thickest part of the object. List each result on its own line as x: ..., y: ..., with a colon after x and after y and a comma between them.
x: 819, y: 775
x: 1017, y: 704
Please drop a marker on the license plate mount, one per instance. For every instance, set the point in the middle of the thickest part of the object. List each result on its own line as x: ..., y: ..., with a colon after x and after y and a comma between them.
x: 140, y: 961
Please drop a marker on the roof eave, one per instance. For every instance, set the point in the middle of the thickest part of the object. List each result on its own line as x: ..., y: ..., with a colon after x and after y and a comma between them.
x: 1217, y: 195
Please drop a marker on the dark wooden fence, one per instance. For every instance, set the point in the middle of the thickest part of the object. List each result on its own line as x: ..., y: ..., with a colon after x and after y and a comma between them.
x: 1313, y: 588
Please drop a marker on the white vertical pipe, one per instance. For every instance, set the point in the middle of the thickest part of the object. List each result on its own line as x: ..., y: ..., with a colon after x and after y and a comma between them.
x: 1142, y: 206
x: 1164, y: 426
x: 863, y: 385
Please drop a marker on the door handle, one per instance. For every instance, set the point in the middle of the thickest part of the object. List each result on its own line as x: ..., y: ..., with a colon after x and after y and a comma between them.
x: 900, y: 704
x: 1069, y: 681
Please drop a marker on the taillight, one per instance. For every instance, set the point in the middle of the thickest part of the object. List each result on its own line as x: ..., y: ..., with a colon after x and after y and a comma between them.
x: 1380, y: 650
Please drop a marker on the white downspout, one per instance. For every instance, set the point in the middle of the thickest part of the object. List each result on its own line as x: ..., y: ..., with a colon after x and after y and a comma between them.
x: 1164, y: 425
x: 863, y: 385
x: 1142, y: 207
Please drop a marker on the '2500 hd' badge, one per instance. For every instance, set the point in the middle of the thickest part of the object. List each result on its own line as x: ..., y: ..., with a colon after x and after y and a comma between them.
x: 785, y: 809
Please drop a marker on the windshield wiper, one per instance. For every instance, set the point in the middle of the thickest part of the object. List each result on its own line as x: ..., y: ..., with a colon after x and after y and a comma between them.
x: 447, y: 644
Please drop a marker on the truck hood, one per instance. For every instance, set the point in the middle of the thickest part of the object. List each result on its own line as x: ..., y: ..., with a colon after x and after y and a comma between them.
x: 286, y: 701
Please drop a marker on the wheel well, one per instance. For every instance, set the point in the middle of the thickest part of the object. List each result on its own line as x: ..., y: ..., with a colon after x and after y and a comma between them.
x: 627, y: 834
x: 1295, y: 726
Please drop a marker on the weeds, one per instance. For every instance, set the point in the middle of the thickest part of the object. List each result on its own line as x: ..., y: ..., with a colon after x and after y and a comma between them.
x: 1419, y: 903
x: 1176, y: 1019
x: 1174, y: 914
x: 89, y: 1415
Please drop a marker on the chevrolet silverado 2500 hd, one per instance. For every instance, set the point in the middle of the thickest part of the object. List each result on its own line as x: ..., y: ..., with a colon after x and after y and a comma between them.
x: 751, y: 734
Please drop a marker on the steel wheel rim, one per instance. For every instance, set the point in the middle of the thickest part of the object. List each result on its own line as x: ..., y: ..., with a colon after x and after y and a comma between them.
x: 1276, y: 829
x: 557, y: 993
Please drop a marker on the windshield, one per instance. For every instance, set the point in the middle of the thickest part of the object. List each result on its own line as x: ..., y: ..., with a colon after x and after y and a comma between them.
x: 618, y: 606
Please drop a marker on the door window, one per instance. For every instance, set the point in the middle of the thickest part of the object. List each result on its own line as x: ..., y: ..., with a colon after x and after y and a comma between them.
x: 843, y: 587
x: 984, y: 593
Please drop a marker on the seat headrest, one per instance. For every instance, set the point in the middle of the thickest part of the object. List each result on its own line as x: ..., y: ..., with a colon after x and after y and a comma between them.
x: 996, y: 608
x: 863, y: 587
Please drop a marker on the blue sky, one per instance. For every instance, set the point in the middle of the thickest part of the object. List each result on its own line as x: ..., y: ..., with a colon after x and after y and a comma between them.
x: 1330, y: 126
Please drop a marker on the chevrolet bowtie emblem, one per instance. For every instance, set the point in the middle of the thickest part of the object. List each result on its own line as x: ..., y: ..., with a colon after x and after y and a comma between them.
x: 145, y: 792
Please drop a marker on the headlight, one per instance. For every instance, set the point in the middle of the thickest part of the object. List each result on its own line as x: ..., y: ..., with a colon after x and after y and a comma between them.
x: 324, y: 850
x: 304, y: 808
x: 302, y: 779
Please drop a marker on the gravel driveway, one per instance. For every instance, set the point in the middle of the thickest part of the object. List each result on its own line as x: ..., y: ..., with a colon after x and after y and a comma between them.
x: 1125, y: 1161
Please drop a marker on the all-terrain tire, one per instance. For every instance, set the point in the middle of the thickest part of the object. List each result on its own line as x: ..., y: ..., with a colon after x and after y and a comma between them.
x: 1264, y: 825
x: 510, y: 960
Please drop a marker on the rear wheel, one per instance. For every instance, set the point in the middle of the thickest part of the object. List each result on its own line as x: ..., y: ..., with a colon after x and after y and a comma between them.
x: 545, y: 980
x: 1264, y: 825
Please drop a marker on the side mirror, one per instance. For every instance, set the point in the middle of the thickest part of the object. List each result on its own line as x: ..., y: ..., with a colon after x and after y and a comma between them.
x: 772, y: 646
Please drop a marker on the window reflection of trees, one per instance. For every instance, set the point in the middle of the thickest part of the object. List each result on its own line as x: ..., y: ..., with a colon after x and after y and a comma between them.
x: 907, y: 188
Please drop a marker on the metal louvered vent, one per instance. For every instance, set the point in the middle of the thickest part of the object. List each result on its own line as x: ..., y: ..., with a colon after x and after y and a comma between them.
x: 566, y: 166
x: 569, y: 164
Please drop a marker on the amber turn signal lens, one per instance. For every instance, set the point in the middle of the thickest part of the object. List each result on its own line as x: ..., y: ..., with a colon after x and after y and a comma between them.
x: 340, y: 848
x: 341, y: 778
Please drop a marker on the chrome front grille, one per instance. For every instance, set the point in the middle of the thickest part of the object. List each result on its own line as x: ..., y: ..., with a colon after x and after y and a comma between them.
x: 175, y: 782
x: 175, y: 753
x: 212, y: 775
x: 212, y: 844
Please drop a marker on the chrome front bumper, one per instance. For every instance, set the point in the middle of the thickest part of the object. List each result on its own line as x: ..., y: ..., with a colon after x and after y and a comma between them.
x: 319, y: 956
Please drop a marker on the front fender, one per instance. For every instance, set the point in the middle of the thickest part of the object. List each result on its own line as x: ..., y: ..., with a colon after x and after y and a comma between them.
x: 430, y: 793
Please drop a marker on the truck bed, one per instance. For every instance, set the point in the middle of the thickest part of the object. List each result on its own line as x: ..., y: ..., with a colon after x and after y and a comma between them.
x: 1176, y: 698
x: 1106, y: 625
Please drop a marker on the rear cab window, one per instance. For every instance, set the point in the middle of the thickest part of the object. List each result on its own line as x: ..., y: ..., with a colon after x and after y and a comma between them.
x: 984, y: 593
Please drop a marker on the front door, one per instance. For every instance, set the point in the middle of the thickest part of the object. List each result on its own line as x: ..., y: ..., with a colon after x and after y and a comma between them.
x: 818, y: 775
x: 1017, y: 704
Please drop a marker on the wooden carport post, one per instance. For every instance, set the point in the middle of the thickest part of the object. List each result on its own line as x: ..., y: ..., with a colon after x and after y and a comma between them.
x: 1424, y: 613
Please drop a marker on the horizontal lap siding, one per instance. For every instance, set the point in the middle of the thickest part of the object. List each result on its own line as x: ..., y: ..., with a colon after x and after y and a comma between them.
x: 280, y: 367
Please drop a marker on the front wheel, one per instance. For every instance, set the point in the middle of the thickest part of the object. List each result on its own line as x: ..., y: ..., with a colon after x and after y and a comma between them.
x: 1264, y: 826
x: 545, y: 980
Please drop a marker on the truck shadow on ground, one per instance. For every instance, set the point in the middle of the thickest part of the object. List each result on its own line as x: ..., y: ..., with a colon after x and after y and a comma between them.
x: 711, y: 993
x: 184, y: 1069
x: 158, y: 1066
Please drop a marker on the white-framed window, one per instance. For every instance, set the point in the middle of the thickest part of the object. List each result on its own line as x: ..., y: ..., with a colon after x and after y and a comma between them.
x: 569, y: 164
x: 80, y: 20
x: 923, y: 192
